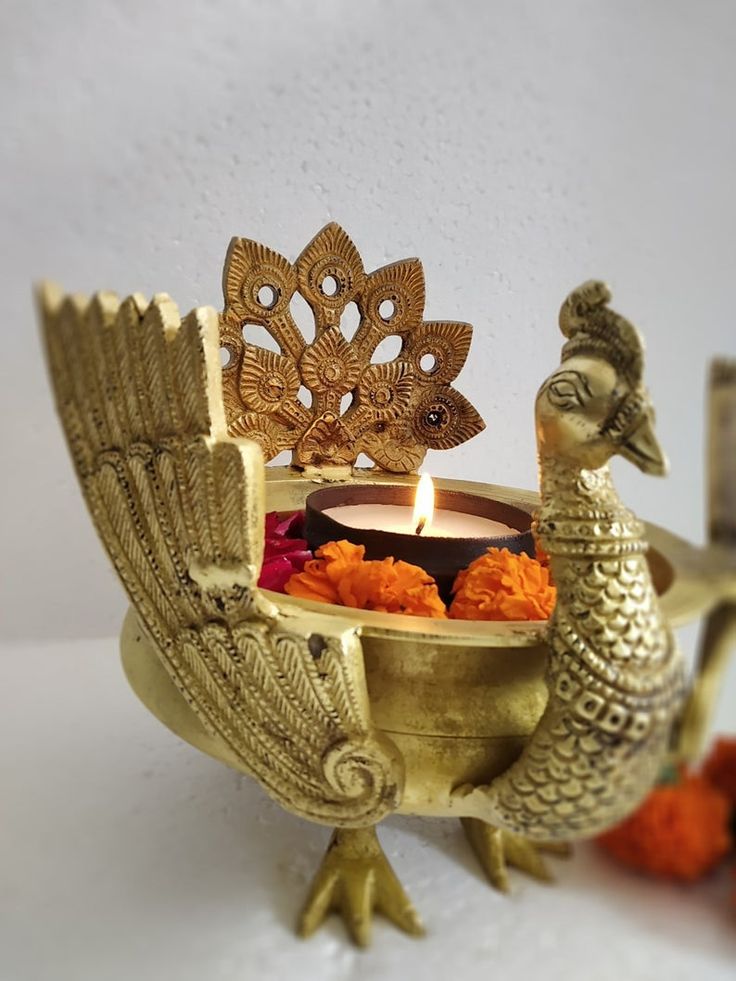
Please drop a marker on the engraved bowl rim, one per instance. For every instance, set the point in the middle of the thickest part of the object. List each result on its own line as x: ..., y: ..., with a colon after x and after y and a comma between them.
x: 685, y: 596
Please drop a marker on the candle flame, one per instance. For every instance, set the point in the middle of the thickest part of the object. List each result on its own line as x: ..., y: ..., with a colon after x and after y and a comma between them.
x: 423, y: 504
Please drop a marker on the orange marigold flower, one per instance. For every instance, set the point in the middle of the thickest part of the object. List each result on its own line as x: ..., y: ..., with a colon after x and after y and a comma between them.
x: 679, y: 832
x: 541, y: 556
x: 503, y: 586
x: 340, y: 574
x: 719, y: 768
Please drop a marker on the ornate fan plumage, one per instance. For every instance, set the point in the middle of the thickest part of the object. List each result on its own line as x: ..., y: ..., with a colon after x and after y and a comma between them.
x: 399, y: 408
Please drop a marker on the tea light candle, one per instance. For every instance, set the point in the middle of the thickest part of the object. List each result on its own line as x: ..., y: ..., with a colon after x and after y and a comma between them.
x: 389, y: 520
x: 399, y: 519
x: 422, y: 519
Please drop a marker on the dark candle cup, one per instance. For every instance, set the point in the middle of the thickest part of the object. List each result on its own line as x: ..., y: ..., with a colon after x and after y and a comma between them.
x: 441, y: 557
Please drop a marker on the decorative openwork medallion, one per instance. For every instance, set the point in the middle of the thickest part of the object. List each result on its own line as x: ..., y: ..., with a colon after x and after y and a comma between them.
x: 395, y: 411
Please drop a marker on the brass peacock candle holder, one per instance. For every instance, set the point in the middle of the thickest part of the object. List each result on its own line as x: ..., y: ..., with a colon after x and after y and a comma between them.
x: 535, y: 733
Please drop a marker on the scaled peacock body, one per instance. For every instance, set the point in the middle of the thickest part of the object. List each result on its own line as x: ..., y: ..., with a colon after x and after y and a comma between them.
x: 615, y: 675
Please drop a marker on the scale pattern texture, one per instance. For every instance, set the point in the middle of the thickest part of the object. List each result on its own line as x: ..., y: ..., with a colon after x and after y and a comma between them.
x: 615, y: 674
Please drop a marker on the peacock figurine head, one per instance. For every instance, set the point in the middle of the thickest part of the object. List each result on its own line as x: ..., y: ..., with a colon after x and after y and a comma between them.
x: 595, y: 404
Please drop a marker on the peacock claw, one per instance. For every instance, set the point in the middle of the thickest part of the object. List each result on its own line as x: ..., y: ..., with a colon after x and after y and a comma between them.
x: 496, y: 849
x: 355, y: 878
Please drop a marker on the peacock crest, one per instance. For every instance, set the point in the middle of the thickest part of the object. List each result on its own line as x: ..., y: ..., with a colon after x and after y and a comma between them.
x: 392, y: 411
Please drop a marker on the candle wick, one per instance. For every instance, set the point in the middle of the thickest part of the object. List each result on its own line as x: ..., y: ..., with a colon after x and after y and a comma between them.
x: 420, y: 526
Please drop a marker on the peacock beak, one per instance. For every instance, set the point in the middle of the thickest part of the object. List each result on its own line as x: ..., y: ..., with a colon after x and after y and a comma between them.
x: 642, y: 448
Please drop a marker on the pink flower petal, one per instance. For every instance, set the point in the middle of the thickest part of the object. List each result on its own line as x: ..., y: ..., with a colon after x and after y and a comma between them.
x: 284, y: 553
x: 275, y: 574
x: 278, y: 546
x: 298, y: 559
x: 292, y: 526
x: 273, y: 520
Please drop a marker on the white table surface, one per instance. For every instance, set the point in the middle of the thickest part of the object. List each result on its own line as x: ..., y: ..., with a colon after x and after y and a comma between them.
x: 128, y: 856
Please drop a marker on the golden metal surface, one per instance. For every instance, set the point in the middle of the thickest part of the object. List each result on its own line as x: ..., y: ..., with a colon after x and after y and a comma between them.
x: 180, y: 509
x: 458, y: 698
x: 396, y: 409
x: 497, y: 849
x: 355, y: 879
x: 546, y: 730
x: 614, y: 673
x: 718, y: 638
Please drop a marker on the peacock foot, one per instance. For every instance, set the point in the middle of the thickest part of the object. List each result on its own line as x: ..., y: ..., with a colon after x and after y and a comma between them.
x: 355, y: 879
x: 496, y: 849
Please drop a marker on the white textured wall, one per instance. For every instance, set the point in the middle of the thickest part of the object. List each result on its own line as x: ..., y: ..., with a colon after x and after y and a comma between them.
x: 516, y: 147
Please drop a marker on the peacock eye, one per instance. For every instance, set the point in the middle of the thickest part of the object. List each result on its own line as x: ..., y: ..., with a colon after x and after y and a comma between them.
x: 564, y: 394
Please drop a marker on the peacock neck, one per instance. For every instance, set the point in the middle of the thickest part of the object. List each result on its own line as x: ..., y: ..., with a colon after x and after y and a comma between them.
x: 581, y: 514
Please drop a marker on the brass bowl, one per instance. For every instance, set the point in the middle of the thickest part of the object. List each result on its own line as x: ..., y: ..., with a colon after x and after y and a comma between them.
x: 458, y: 698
